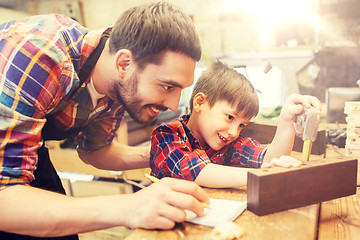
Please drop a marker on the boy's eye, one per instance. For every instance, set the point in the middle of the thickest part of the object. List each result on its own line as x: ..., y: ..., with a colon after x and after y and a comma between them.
x: 229, y: 117
x: 242, y: 125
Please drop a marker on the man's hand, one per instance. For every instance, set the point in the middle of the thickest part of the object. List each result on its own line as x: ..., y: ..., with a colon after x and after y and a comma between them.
x: 163, y: 203
x: 282, y: 161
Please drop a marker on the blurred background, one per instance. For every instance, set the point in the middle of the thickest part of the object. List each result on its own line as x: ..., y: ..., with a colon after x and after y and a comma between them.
x: 284, y: 47
x: 281, y: 46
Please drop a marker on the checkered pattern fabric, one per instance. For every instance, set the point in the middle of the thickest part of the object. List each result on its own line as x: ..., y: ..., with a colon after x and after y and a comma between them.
x: 40, y: 58
x: 175, y: 152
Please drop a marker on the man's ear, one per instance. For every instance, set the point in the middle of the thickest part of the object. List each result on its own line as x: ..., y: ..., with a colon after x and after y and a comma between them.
x: 123, y: 59
x: 199, y: 101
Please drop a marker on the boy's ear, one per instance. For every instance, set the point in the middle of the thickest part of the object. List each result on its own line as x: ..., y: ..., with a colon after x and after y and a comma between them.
x: 123, y: 59
x: 198, y: 102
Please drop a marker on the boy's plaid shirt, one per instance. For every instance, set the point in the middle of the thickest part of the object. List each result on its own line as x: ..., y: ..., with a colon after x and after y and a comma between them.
x: 40, y: 58
x: 175, y: 152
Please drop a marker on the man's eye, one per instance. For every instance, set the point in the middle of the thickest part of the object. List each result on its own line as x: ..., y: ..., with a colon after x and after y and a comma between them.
x: 242, y: 125
x: 167, y: 87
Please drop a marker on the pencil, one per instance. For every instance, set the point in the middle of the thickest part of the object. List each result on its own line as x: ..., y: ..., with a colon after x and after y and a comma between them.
x: 155, y: 179
x: 152, y: 178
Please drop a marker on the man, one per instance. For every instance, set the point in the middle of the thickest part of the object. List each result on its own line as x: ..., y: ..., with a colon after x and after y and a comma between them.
x: 57, y: 80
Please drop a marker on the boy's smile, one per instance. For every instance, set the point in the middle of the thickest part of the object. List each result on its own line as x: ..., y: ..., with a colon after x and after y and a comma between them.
x: 215, y: 126
x: 222, y: 138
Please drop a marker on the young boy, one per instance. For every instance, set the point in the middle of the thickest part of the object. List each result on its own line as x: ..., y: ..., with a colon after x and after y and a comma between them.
x: 205, y: 146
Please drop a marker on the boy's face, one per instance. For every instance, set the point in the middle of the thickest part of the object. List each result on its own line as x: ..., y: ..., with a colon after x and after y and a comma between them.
x: 216, y: 126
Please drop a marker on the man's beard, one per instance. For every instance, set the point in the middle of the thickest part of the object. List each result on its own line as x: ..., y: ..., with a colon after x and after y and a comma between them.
x: 128, y: 95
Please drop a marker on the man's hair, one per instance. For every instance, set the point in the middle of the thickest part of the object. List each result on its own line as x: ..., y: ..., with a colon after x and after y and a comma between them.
x: 150, y: 29
x: 221, y: 82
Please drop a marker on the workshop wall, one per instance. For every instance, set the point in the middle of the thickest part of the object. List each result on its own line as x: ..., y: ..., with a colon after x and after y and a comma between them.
x: 232, y: 27
x: 227, y: 27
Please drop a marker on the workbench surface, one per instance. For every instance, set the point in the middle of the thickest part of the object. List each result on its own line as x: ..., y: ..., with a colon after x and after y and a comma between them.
x: 334, y: 219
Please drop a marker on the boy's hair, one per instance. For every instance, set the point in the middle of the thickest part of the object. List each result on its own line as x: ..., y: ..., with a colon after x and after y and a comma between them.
x: 150, y: 29
x: 221, y: 82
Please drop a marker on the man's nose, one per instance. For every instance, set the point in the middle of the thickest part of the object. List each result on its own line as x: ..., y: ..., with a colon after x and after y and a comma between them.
x: 172, y: 101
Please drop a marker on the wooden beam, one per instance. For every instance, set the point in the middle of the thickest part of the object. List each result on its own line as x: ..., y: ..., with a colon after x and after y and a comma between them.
x: 277, y: 189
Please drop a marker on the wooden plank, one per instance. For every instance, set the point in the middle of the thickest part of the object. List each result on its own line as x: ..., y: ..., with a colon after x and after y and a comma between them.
x: 277, y: 189
x: 340, y: 218
x: 295, y: 224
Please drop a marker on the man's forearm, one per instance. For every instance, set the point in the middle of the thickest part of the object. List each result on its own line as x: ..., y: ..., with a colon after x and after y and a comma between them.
x: 30, y: 211
x: 117, y: 157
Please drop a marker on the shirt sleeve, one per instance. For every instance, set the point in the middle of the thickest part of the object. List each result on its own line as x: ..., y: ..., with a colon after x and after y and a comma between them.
x: 34, y: 75
x: 246, y: 152
x: 26, y: 95
x: 172, y: 156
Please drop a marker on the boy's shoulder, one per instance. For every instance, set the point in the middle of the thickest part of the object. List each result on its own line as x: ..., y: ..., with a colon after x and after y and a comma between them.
x: 176, y: 129
x: 176, y: 123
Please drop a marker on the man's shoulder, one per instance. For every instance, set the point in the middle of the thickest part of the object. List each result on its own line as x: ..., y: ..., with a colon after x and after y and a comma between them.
x: 50, y: 33
x: 45, y: 23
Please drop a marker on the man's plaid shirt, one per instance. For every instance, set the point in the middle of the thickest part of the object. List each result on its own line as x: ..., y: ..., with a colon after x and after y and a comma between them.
x: 40, y: 58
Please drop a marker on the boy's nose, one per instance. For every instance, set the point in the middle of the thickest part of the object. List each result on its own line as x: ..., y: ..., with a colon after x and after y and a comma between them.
x: 233, y: 130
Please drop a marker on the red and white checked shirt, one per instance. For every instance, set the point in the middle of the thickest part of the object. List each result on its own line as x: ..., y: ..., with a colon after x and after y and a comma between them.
x: 175, y: 152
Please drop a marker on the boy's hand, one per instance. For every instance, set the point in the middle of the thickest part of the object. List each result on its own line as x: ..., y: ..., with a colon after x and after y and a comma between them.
x: 282, y: 161
x: 296, y: 103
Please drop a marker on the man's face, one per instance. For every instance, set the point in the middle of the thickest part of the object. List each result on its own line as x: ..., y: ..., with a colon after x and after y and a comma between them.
x: 156, y: 88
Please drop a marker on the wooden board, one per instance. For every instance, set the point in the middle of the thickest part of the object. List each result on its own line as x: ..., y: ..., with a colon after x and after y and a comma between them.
x: 340, y: 218
x: 277, y: 189
x: 295, y: 224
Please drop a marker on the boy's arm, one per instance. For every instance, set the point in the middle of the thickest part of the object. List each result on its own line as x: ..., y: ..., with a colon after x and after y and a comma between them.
x: 220, y: 176
x: 243, y: 155
x: 283, y: 140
